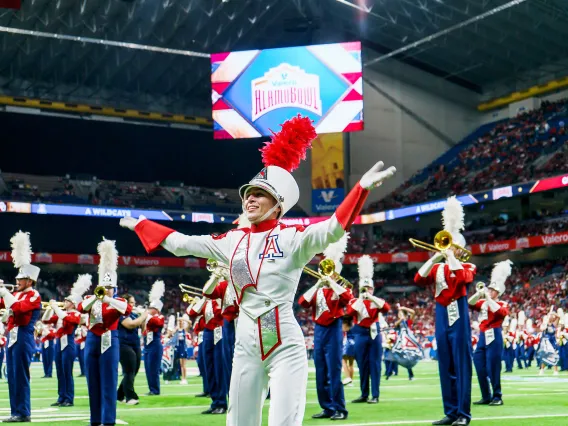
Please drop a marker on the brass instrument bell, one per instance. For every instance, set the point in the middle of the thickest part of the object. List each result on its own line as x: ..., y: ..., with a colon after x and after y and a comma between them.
x: 189, y: 293
x: 443, y: 241
x: 480, y: 286
x: 100, y: 292
x: 214, y: 266
x: 326, y: 268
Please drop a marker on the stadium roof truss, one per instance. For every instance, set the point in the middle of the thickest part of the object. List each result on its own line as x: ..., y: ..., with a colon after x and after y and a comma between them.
x: 523, y: 41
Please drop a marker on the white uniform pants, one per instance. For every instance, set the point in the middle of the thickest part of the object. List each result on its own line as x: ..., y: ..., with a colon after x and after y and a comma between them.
x: 285, y: 372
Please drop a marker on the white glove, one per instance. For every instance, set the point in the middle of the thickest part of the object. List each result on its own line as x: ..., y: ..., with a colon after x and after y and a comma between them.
x: 376, y: 175
x: 130, y: 223
x: 119, y: 305
x: 453, y: 263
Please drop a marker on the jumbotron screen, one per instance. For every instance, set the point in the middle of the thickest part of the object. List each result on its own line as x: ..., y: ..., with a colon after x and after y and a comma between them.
x: 254, y: 91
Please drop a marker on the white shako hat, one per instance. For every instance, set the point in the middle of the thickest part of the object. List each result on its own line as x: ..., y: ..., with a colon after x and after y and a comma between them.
x: 156, y: 294
x: 22, y: 256
x: 79, y: 288
x: 108, y: 263
x: 453, y: 220
x: 366, y: 269
x: 336, y: 251
x: 281, y: 156
x: 499, y: 275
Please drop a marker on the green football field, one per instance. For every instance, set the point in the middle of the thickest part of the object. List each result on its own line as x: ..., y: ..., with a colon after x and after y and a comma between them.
x: 529, y: 400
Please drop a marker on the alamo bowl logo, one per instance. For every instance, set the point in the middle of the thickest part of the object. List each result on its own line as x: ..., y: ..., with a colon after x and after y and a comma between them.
x: 285, y: 86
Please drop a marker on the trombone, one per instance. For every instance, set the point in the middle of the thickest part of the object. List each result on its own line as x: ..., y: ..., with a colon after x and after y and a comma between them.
x: 443, y: 241
x: 46, y: 305
x: 214, y: 266
x: 326, y: 268
x: 190, y: 293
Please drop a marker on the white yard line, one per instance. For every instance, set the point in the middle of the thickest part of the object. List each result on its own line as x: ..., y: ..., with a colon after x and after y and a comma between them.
x: 409, y: 422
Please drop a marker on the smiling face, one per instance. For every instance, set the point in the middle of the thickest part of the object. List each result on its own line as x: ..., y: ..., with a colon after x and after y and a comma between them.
x: 256, y: 203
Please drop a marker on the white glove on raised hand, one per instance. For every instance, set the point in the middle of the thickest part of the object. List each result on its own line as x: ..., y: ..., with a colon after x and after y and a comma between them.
x: 130, y: 223
x: 376, y: 175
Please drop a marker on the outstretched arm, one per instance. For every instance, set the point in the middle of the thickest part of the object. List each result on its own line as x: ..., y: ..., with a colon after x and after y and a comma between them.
x: 153, y: 236
x: 315, y: 238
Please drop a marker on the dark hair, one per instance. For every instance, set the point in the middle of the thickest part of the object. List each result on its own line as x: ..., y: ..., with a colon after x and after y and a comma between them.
x: 127, y: 296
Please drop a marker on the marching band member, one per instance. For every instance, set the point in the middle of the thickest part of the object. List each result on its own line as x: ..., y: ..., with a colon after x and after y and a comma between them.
x: 266, y: 263
x: 229, y: 308
x: 530, y: 345
x: 80, y: 339
x: 47, y: 338
x: 130, y: 353
x: 563, y: 342
x: 547, y: 350
x: 66, y: 322
x: 509, y: 346
x: 453, y: 329
x: 3, y: 342
x: 404, y: 321
x: 474, y: 335
x: 520, y: 340
x: 487, y: 355
x: 181, y: 349
x: 212, y: 351
x: 24, y: 306
x: 388, y: 335
x: 327, y: 299
x: 102, y: 348
x: 348, y: 351
x: 152, y: 332
x: 368, y: 342
x: 198, y: 329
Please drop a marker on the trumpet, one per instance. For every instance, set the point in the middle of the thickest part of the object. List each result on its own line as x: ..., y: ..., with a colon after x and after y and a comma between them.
x: 9, y: 287
x: 214, y: 266
x: 443, y: 241
x: 480, y: 286
x: 189, y: 293
x: 46, y: 305
x: 100, y: 292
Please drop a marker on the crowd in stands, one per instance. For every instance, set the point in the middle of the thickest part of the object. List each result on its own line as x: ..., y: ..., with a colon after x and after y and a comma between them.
x: 521, y: 149
x: 86, y: 189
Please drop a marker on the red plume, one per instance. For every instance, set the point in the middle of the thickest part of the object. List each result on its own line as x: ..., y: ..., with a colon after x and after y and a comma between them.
x: 289, y: 146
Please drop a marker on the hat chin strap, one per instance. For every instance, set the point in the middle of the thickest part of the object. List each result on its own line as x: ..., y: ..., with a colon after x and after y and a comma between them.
x: 267, y: 214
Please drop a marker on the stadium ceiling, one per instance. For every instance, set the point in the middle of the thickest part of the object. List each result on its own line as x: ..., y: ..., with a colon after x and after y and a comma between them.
x: 525, y: 41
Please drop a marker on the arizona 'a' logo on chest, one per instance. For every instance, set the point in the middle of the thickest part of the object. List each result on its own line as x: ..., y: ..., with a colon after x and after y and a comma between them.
x: 272, y: 249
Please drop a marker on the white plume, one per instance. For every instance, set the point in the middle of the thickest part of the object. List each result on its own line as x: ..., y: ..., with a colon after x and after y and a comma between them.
x: 336, y: 251
x: 513, y: 326
x: 521, y: 318
x: 453, y: 216
x: 171, y: 321
x: 109, y: 256
x: 365, y: 267
x: 21, y: 249
x: 81, y: 285
x: 157, y: 292
x: 501, y: 272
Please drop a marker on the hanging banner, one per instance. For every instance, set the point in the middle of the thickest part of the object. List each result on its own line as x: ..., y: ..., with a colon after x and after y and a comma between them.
x: 328, y: 173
